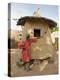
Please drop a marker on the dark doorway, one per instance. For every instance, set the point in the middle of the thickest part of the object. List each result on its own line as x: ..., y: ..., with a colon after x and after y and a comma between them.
x: 37, y: 33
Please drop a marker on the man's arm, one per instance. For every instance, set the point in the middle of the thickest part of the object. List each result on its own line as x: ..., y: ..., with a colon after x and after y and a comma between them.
x: 34, y: 39
x: 21, y: 44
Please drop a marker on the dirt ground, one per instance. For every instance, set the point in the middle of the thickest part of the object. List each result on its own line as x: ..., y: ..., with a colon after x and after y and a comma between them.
x: 48, y: 69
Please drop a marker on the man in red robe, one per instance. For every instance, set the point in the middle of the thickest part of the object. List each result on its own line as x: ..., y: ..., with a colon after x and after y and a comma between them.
x: 26, y: 46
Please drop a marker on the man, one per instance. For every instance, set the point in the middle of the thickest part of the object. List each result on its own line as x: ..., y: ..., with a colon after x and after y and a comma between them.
x: 26, y: 48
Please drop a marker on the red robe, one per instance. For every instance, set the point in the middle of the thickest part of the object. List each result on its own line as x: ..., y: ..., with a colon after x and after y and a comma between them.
x: 25, y: 46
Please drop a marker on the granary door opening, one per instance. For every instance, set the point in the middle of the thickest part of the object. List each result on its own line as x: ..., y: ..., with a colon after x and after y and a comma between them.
x: 37, y: 33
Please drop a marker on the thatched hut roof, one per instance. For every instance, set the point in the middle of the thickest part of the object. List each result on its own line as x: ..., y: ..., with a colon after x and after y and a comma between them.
x: 50, y: 22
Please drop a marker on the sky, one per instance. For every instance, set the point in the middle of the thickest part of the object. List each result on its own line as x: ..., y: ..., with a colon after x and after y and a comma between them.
x: 19, y: 10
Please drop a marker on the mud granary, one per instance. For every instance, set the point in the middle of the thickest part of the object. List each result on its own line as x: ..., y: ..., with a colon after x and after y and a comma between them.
x: 38, y: 26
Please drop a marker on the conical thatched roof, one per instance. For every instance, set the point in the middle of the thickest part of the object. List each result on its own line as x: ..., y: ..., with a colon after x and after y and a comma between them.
x: 36, y: 17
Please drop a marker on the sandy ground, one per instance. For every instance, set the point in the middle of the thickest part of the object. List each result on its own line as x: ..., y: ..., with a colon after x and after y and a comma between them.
x: 47, y: 69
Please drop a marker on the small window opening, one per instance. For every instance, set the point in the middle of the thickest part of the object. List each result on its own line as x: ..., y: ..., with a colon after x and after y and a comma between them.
x: 37, y: 33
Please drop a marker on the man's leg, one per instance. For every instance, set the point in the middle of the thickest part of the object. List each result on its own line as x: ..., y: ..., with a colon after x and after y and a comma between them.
x: 27, y: 66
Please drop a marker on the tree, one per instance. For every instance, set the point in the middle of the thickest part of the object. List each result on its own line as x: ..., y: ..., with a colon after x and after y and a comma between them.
x: 55, y: 29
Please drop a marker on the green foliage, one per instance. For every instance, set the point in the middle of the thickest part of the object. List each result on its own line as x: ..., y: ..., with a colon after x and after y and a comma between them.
x: 55, y: 29
x: 20, y: 34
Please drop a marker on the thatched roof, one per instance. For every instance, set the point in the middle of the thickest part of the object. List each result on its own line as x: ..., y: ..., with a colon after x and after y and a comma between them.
x: 50, y: 22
